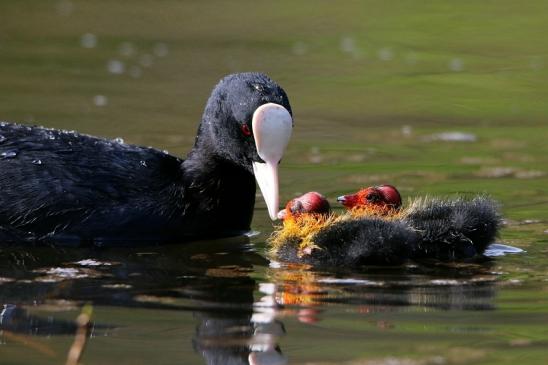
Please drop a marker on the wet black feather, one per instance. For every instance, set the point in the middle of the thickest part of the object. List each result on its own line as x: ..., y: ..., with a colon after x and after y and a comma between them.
x: 455, y: 229
x: 366, y: 241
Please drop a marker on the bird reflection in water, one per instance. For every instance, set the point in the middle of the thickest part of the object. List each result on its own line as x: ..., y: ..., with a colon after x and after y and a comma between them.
x: 305, y: 293
x: 211, y: 280
x: 238, y: 298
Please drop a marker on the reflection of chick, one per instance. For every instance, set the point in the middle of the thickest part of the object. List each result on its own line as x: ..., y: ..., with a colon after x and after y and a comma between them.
x: 298, y: 287
x: 299, y: 291
x: 377, y: 231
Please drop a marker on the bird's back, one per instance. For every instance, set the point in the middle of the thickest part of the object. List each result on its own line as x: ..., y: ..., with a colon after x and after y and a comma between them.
x: 56, y: 184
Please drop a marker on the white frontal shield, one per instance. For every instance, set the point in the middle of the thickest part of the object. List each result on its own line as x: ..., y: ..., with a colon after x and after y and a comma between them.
x: 272, y: 125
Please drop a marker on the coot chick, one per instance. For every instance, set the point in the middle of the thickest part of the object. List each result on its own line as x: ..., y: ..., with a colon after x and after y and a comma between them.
x: 65, y: 187
x: 448, y: 229
x: 453, y: 229
x: 377, y: 231
x: 368, y: 235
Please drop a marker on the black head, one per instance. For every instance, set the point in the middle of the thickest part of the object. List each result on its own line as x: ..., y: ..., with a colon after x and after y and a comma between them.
x: 247, y: 122
x: 227, y: 121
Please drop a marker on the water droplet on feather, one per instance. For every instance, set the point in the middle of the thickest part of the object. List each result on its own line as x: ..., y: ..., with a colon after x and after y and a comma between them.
x: 8, y: 154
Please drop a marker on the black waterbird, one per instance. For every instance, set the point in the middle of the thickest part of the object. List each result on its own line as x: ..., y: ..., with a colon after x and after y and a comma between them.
x: 65, y: 187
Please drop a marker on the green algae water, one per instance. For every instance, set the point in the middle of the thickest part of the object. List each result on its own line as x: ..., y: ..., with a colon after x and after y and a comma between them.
x: 437, y: 98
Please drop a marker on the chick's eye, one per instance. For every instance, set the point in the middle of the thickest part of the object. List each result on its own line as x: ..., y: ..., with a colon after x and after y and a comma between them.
x: 245, y: 130
x: 372, y: 197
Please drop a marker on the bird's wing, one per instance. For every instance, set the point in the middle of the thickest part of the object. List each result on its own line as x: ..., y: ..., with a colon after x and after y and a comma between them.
x: 55, y: 180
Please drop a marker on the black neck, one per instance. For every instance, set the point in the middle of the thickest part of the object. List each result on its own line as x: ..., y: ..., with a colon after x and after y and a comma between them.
x: 218, y: 188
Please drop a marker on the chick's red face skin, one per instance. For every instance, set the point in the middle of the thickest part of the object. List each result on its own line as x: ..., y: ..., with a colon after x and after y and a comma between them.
x: 391, y: 195
x: 309, y: 203
x: 373, y: 196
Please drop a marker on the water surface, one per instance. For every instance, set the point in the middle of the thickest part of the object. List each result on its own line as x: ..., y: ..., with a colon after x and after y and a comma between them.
x: 436, y: 98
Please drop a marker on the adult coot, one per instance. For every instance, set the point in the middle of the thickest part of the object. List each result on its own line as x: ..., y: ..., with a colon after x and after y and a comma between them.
x: 64, y: 187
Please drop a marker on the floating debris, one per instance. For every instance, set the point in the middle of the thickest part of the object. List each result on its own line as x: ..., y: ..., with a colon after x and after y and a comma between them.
x: 536, y: 64
x: 385, y: 54
x: 252, y: 233
x: 529, y: 174
x: 82, y: 334
x: 88, y: 40
x: 4, y: 279
x: 456, y: 65
x: 126, y: 49
x: 116, y: 286
x: 135, y: 72
x: 92, y: 262
x: 350, y: 281
x: 37, y: 162
x: 496, y: 172
x: 155, y: 299
x: 56, y: 274
x: 161, y: 50
x: 116, y: 67
x: 446, y: 282
x: 100, y: 100
x: 348, y: 44
x: 451, y: 137
x: 64, y: 7
x: 315, y: 155
x: 503, y: 171
x: 406, y: 130
x: 411, y: 58
x: 146, y: 60
x: 498, y: 249
x: 299, y: 48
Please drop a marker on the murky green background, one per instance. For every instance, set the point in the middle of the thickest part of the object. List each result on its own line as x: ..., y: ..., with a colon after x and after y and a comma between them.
x: 373, y: 86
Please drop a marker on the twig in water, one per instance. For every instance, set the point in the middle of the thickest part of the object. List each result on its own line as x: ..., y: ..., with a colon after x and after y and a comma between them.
x: 79, y: 344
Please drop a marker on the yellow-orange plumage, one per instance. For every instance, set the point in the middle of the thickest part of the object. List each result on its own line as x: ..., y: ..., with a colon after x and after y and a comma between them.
x: 302, y: 228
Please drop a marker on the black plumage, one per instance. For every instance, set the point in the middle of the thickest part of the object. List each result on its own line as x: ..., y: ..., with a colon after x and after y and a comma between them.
x: 65, y: 187
x: 364, y: 241
x: 454, y: 229
x: 443, y: 230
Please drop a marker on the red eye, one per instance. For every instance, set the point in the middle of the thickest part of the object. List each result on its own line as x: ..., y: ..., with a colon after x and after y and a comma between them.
x: 245, y: 130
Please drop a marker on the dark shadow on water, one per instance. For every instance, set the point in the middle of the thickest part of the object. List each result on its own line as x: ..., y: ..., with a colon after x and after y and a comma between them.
x: 209, y: 279
x: 239, y: 313
x: 124, y: 276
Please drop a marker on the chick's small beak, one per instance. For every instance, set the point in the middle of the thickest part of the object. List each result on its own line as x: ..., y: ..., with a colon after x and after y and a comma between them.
x: 282, y: 214
x: 272, y: 125
x: 349, y: 201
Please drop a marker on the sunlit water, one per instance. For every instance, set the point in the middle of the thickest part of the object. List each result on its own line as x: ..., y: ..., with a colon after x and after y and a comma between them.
x: 436, y: 100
